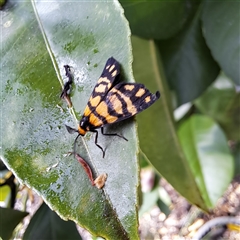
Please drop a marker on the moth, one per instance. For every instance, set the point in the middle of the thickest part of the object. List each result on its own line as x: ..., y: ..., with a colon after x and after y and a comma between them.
x: 112, y: 101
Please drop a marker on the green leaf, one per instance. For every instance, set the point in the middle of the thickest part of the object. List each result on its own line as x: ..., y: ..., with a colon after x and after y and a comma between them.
x: 221, y: 23
x: 9, y: 219
x: 157, y: 19
x: 46, y: 224
x: 237, y: 159
x: 188, y: 63
x: 156, y: 127
x: 208, y: 155
x: 163, y: 207
x: 149, y: 200
x: 221, y: 102
x: 143, y: 161
x: 38, y: 39
x: 2, y: 3
x: 5, y: 196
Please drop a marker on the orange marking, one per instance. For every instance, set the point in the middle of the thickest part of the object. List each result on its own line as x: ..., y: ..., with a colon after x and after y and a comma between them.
x: 130, y: 107
x: 114, y: 73
x: 81, y: 131
x: 102, y: 109
x: 86, y: 111
x: 111, y: 68
x: 140, y: 92
x: 117, y: 105
x: 100, y: 80
x: 147, y: 99
x: 129, y: 87
x: 103, y: 80
x: 101, y: 88
x: 111, y: 119
x: 94, y: 101
x: 95, y: 121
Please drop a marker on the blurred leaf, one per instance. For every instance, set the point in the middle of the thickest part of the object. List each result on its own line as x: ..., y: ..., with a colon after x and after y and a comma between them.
x: 163, y: 207
x: 164, y: 196
x: 152, y: 198
x: 46, y: 224
x: 222, y: 103
x: 9, y: 219
x: 149, y: 200
x: 237, y: 159
x: 221, y: 23
x: 2, y: 3
x: 83, y: 35
x: 8, y: 195
x: 5, y: 196
x: 188, y: 63
x: 182, y: 111
x: 149, y: 179
x: 156, y: 127
x: 157, y: 19
x: 143, y: 161
x: 206, y: 149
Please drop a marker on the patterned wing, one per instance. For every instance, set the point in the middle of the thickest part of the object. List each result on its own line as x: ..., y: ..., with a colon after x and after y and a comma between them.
x: 106, y: 81
x: 123, y: 101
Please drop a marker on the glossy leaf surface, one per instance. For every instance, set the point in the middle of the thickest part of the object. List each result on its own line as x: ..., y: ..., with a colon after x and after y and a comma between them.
x: 157, y: 19
x: 9, y: 219
x: 46, y: 224
x: 38, y: 39
x: 188, y: 63
x: 206, y: 149
x: 157, y: 132
x: 221, y: 24
x: 221, y: 102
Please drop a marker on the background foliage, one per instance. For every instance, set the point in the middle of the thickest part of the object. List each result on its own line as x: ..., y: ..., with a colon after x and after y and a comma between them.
x: 189, y: 50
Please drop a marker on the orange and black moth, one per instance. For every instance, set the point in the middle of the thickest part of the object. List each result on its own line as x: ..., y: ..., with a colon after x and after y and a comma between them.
x: 112, y: 101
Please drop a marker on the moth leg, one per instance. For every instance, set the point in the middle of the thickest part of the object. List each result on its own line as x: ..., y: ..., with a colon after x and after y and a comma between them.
x: 112, y: 134
x: 96, y: 138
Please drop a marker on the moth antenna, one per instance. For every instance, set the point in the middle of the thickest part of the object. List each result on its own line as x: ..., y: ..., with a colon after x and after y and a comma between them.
x: 75, y: 143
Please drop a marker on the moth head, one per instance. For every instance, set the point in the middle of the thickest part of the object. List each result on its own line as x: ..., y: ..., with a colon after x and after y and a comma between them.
x: 83, y: 126
x: 81, y: 130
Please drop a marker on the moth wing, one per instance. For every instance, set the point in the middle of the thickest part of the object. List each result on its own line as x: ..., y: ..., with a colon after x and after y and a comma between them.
x: 124, y: 101
x: 107, y: 80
